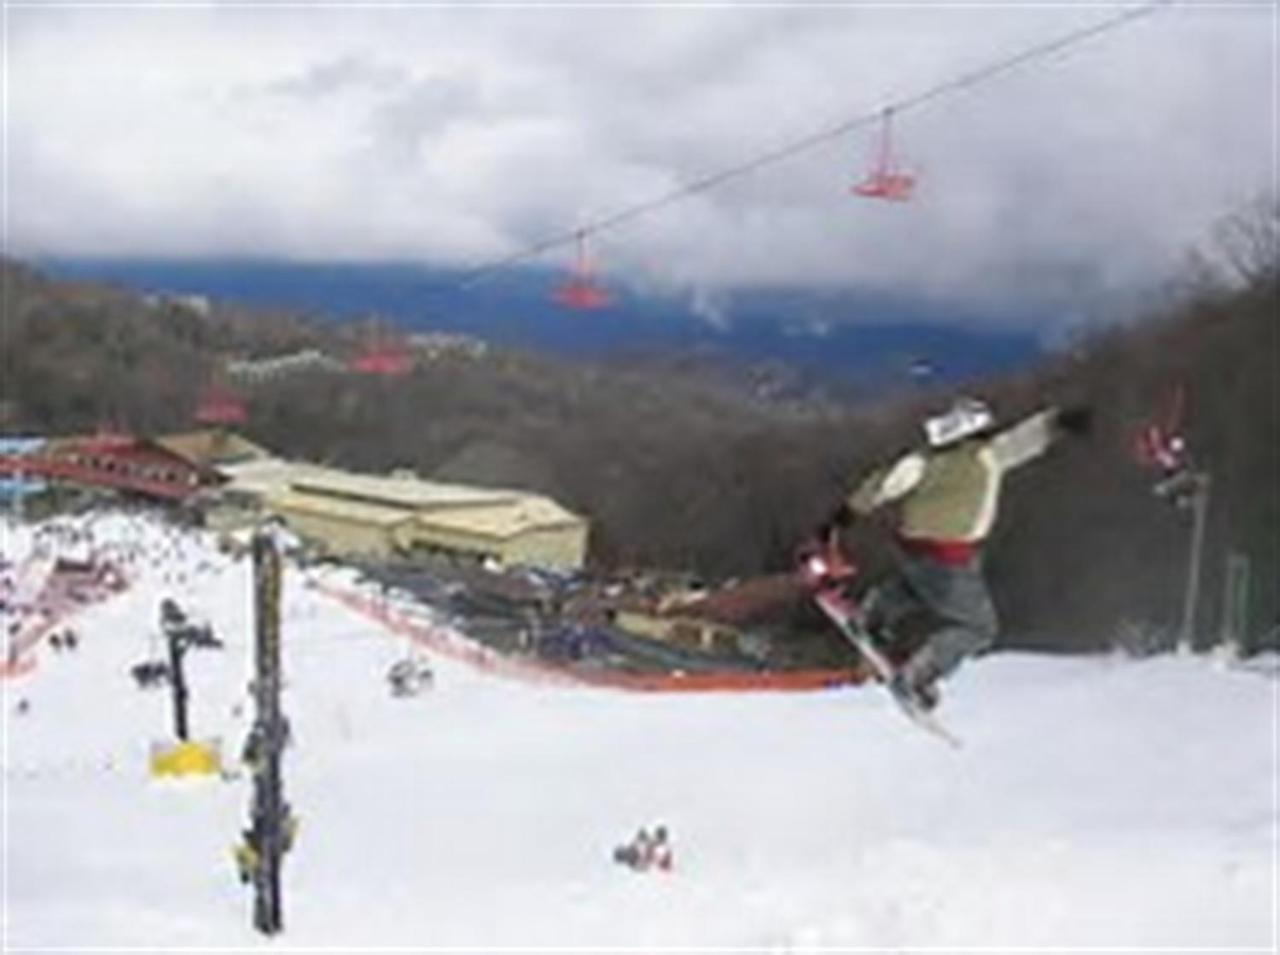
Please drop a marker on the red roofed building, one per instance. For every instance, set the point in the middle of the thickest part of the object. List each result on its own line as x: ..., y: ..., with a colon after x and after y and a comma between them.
x: 115, y: 461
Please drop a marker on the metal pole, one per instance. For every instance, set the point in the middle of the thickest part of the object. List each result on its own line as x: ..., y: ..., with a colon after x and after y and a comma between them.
x: 1235, y: 605
x: 177, y: 677
x: 268, y: 823
x: 1191, y: 599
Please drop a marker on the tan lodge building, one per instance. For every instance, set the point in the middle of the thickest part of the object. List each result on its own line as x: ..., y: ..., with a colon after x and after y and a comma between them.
x: 378, y: 516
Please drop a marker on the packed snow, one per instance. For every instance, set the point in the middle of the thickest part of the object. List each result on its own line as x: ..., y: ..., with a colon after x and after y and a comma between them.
x: 1097, y: 801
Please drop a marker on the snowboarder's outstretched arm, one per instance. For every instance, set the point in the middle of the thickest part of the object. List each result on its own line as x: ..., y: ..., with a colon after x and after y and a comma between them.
x: 996, y: 454
x: 1032, y: 436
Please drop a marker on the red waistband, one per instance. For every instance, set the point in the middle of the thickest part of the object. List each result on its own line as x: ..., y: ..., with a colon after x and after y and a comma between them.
x: 945, y: 552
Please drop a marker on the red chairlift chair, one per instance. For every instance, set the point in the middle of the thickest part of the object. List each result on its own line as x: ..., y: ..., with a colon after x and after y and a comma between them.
x: 383, y: 356
x: 388, y: 361
x: 220, y: 407
x: 580, y: 290
x: 886, y: 179
x: 1160, y: 443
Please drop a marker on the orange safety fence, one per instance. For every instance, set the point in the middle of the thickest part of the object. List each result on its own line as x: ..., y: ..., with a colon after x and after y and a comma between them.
x: 726, y: 681
x: 446, y: 641
x: 451, y: 644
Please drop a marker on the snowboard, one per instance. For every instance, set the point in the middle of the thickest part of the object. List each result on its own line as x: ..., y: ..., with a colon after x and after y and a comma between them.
x: 849, y: 620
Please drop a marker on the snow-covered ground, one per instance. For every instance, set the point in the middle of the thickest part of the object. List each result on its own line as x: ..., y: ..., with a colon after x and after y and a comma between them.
x: 1097, y: 802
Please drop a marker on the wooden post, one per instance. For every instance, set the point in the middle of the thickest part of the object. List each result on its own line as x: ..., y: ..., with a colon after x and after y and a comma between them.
x: 269, y: 823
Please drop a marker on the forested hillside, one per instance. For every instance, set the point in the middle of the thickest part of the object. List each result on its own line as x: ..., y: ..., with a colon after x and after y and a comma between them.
x: 680, y: 469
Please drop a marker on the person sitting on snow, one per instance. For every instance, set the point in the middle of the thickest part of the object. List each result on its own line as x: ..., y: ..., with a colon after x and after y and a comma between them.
x: 948, y: 496
x: 647, y: 851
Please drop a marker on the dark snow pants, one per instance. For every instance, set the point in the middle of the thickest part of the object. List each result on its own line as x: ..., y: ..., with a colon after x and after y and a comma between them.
x: 956, y: 598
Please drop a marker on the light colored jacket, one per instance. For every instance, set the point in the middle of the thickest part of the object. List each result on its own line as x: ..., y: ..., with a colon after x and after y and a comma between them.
x: 953, y: 494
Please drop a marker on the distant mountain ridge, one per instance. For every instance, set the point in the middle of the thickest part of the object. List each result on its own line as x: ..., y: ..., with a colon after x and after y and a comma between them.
x: 877, y: 340
x: 679, y: 468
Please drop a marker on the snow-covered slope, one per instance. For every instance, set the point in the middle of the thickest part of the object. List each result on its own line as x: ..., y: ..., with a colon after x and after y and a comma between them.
x: 1098, y: 802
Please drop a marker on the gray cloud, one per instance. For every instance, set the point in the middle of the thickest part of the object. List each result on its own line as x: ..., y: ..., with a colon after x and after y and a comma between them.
x: 333, y: 76
x: 451, y: 136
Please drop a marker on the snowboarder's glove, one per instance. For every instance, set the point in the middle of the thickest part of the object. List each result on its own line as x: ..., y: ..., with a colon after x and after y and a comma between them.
x: 1076, y: 420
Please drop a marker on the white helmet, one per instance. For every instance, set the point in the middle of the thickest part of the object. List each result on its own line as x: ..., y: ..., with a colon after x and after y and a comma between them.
x: 966, y: 417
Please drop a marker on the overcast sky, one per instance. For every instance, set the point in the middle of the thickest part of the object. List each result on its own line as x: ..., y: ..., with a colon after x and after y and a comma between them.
x: 450, y: 136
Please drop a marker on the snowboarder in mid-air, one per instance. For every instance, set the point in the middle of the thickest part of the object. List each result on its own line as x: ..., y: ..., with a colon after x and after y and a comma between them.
x: 947, y: 496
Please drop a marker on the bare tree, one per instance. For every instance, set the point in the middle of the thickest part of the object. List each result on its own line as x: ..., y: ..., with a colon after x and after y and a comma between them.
x: 1247, y: 242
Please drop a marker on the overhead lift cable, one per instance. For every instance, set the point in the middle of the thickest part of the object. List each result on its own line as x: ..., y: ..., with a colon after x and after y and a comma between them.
x: 957, y: 84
